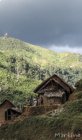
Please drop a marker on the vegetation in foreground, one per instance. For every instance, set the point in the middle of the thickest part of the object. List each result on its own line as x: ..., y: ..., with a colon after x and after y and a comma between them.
x: 66, y: 124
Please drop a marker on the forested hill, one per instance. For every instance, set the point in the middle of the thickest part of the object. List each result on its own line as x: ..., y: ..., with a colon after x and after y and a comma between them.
x: 23, y: 66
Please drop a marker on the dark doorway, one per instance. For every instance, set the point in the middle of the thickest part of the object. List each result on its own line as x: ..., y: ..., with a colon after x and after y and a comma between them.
x: 41, y: 100
x: 8, y: 115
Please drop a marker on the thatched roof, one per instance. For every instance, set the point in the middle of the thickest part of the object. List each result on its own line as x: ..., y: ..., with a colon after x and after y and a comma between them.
x: 59, y: 81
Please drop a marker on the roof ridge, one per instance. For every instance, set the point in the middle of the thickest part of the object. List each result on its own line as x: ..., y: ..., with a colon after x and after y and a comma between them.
x: 53, y: 77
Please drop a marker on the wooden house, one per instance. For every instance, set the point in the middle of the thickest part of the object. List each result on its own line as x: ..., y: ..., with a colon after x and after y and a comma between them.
x: 52, y: 91
x: 8, y: 111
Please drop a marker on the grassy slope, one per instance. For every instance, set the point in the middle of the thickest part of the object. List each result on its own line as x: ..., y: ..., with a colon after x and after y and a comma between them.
x: 23, y: 66
x: 39, y: 127
x: 38, y: 55
x: 46, y: 127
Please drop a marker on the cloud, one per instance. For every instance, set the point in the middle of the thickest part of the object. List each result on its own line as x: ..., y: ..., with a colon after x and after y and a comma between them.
x: 66, y: 49
x: 41, y: 22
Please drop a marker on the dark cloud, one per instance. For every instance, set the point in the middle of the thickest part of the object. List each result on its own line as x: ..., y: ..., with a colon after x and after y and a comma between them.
x: 41, y: 22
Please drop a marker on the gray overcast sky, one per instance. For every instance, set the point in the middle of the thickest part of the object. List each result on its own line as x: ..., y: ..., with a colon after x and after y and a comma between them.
x: 50, y: 23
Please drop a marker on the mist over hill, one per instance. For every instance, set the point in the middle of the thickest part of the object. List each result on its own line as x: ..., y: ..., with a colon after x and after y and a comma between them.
x: 23, y: 66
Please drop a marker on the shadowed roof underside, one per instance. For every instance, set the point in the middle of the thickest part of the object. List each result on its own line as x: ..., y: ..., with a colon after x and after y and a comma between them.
x: 16, y: 110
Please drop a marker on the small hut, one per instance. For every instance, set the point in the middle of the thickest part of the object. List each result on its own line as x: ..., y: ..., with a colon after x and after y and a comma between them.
x: 52, y: 91
x: 8, y: 111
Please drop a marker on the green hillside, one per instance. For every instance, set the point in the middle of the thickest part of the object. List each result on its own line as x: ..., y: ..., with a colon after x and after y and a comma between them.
x: 23, y: 66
